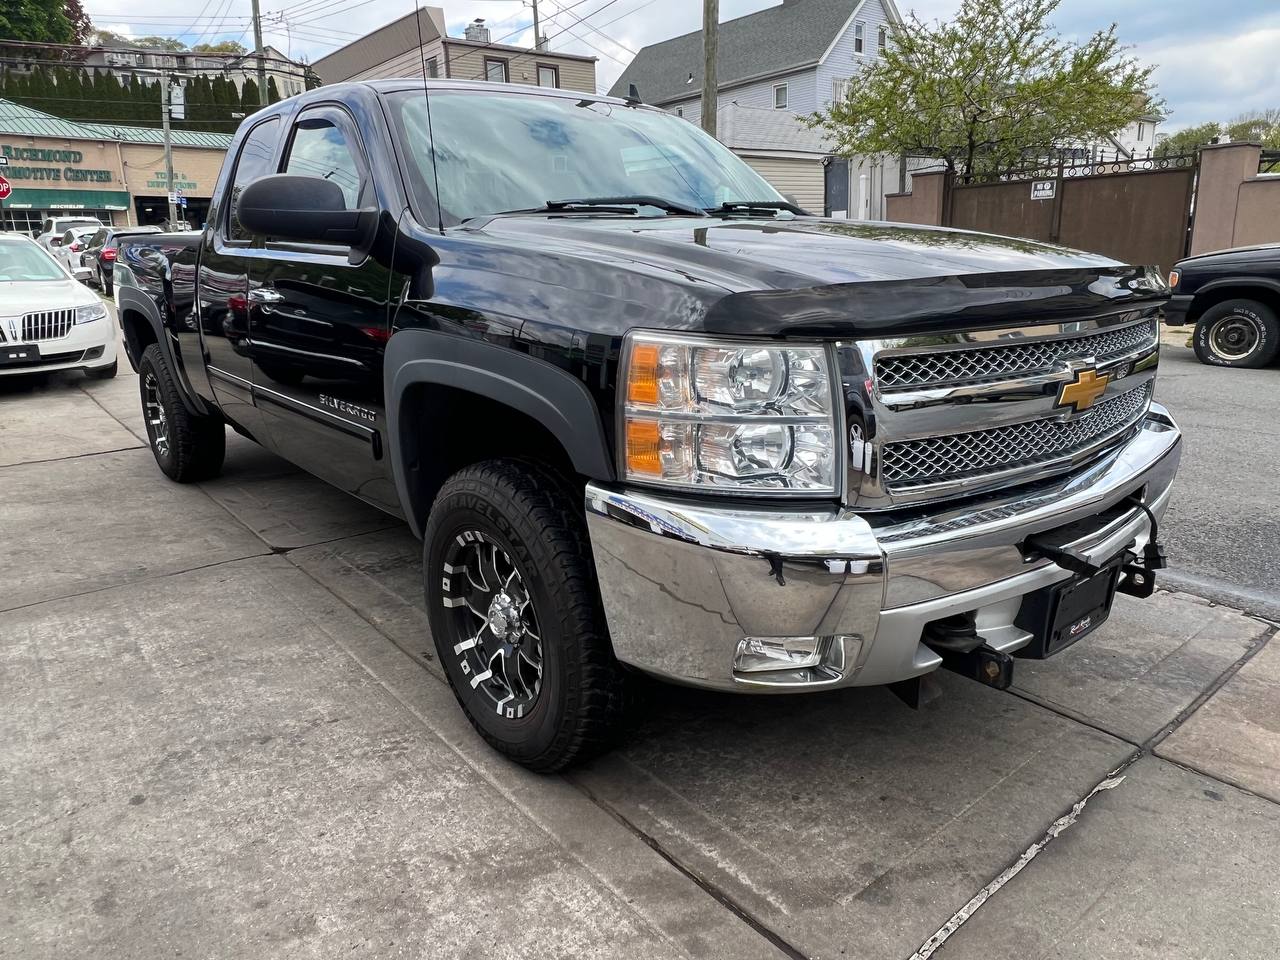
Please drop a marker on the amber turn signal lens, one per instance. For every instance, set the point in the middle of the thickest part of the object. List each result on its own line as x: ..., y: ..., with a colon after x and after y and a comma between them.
x: 642, y: 375
x: 643, y: 448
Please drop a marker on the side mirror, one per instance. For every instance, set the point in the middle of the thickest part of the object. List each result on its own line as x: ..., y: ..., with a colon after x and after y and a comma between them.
x: 309, y: 209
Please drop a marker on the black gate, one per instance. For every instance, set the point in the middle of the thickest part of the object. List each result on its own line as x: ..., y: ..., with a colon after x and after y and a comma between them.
x: 836, y: 187
x: 1137, y: 211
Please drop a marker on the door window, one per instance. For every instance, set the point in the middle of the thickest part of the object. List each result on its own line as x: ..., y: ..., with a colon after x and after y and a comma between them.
x: 254, y: 162
x: 320, y: 148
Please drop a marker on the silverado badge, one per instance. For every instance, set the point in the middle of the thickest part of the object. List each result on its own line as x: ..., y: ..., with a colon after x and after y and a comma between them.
x: 1080, y: 392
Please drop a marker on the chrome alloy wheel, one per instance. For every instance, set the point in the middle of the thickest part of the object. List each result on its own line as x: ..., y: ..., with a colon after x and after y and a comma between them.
x: 157, y: 419
x: 1234, y: 337
x: 494, y: 629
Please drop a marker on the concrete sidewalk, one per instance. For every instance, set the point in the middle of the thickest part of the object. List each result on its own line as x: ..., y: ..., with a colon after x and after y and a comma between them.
x: 224, y: 735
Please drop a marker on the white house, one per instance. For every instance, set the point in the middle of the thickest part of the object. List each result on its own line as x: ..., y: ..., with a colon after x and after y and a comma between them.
x: 793, y: 59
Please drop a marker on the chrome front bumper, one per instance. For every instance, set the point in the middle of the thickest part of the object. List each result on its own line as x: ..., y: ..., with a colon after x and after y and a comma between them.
x: 684, y: 583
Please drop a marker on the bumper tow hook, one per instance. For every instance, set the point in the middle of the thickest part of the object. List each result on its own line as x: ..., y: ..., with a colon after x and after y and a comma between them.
x: 985, y: 664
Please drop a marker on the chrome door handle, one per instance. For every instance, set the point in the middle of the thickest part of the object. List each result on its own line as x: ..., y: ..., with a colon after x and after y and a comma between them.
x: 265, y: 295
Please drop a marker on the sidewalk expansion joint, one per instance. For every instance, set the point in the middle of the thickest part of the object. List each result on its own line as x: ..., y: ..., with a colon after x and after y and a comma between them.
x: 1055, y: 829
x: 716, y: 893
x: 1109, y: 782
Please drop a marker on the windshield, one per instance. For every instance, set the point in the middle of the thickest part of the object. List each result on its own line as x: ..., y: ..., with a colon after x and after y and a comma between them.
x: 495, y: 152
x: 22, y: 260
x: 64, y: 224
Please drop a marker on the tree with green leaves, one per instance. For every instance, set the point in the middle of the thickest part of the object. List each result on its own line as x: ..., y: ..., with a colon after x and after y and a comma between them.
x: 37, y: 21
x: 223, y: 46
x: 1187, y: 140
x: 249, y: 95
x: 1259, y: 126
x: 992, y: 87
x: 81, y: 25
x: 273, y: 92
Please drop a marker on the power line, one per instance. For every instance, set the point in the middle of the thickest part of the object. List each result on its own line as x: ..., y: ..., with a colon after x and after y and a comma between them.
x: 594, y: 29
x: 597, y: 10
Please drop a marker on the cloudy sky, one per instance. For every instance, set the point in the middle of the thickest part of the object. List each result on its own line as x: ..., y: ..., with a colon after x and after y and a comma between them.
x: 1214, y: 59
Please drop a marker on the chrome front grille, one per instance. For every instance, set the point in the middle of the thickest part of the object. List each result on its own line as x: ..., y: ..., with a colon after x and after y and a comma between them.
x: 1008, y: 360
x: 47, y: 325
x: 912, y: 463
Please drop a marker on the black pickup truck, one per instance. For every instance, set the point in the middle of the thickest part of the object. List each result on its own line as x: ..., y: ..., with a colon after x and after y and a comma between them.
x: 648, y: 416
x: 1233, y: 298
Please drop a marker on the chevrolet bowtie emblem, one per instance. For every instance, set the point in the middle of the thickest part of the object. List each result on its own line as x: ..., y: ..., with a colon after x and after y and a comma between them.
x: 1080, y: 392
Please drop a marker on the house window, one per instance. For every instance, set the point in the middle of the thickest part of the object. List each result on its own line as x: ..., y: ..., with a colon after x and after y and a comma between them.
x: 433, y: 67
x: 1142, y: 131
x: 882, y: 38
x: 548, y: 76
x: 679, y: 111
x: 859, y: 36
x: 779, y: 96
x: 495, y: 71
x: 840, y: 89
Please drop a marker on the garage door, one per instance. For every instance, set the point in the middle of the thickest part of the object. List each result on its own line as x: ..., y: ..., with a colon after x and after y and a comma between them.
x: 801, y: 179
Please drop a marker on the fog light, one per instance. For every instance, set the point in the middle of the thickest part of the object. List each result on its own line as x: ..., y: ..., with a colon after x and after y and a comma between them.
x: 93, y: 353
x: 777, y: 653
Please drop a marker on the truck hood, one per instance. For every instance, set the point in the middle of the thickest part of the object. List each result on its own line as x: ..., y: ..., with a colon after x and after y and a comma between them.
x: 836, y: 277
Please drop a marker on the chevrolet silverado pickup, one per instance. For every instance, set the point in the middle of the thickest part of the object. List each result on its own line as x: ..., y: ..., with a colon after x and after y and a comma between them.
x: 646, y: 415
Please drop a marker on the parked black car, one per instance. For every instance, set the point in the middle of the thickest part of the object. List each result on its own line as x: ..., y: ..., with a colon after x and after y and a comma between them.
x: 644, y: 414
x: 99, y: 256
x: 1233, y: 298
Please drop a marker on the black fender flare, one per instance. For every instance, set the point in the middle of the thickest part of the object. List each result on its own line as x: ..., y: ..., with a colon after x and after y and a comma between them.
x: 130, y: 298
x: 534, y: 387
x: 1233, y: 282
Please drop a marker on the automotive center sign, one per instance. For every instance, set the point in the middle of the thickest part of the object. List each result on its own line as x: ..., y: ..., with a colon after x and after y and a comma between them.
x: 58, y: 166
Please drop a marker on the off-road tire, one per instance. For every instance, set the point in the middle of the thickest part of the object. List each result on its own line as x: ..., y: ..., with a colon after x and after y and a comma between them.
x: 532, y: 514
x: 103, y: 373
x: 1259, y: 324
x: 194, y: 445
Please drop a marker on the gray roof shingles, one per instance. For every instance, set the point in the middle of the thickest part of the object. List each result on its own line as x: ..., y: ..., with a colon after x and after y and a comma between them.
x: 794, y: 34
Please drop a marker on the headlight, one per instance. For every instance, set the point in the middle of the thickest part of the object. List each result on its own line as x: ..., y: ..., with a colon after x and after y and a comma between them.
x: 94, y: 311
x: 731, y: 415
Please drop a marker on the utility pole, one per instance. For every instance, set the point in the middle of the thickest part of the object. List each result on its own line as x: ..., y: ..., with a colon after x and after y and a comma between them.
x: 257, y: 49
x: 537, y: 35
x: 167, y: 100
x: 710, y: 86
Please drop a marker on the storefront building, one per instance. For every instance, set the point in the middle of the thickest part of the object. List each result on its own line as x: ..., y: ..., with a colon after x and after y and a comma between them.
x: 59, y: 168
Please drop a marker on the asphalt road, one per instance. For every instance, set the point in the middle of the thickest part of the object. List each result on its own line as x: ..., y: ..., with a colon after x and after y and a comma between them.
x: 1222, y: 530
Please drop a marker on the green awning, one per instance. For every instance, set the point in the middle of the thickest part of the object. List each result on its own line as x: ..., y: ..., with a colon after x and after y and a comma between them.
x: 34, y: 198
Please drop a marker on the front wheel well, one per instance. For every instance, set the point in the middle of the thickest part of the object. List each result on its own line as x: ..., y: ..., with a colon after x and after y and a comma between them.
x: 1245, y: 291
x: 138, y: 335
x: 444, y: 429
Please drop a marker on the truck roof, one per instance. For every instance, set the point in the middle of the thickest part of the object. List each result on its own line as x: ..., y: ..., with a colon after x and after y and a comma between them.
x: 402, y: 84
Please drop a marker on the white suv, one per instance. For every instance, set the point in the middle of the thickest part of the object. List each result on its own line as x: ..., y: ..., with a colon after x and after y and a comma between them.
x: 48, y: 321
x: 57, y: 226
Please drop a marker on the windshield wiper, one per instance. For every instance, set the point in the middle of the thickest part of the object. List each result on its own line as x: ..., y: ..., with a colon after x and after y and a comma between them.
x: 639, y: 200
x: 746, y: 206
x: 623, y: 206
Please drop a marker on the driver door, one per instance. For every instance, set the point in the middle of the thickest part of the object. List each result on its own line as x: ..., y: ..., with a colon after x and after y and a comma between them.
x: 319, y: 326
